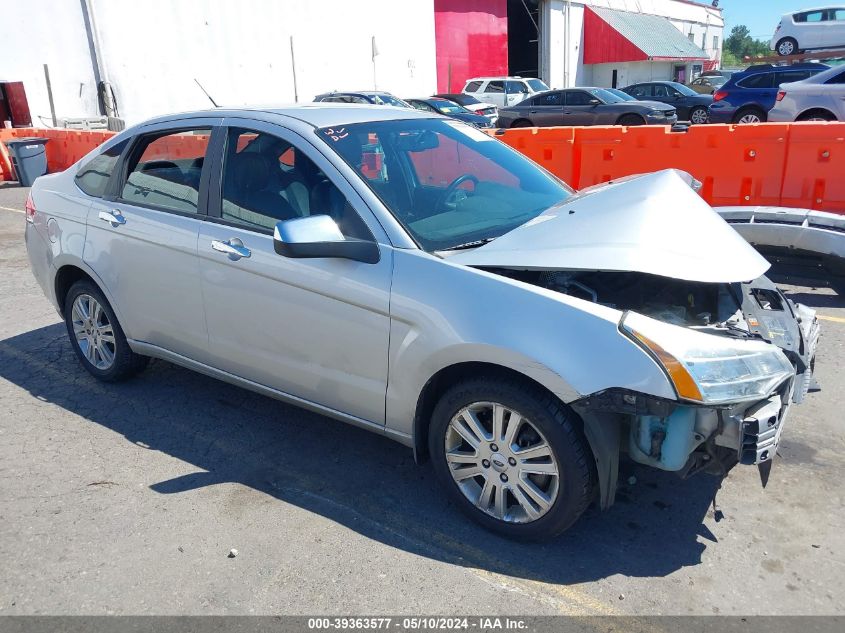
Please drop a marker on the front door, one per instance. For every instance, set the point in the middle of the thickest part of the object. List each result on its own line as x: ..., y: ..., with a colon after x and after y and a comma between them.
x: 579, y: 108
x: 316, y: 329
x: 142, y: 238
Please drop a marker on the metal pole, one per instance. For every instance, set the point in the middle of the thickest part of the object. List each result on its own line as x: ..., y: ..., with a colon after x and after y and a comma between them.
x: 293, y: 69
x: 449, y: 87
x: 50, y: 96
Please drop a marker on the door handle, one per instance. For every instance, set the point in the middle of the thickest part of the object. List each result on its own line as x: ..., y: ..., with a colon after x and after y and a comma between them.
x: 113, y: 217
x: 234, y: 248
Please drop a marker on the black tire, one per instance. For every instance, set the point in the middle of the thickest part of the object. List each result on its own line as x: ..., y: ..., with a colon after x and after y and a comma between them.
x: 562, y: 431
x: 522, y: 123
x: 699, y: 110
x: 816, y: 115
x: 630, y: 120
x: 754, y: 112
x: 787, y: 46
x: 126, y: 363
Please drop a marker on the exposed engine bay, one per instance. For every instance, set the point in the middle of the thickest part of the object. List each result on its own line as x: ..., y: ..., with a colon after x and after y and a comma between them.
x: 687, y: 438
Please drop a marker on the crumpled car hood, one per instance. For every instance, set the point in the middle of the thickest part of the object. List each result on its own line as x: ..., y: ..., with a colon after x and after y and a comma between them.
x: 653, y: 224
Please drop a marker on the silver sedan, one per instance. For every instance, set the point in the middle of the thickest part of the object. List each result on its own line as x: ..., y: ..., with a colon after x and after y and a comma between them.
x: 414, y: 276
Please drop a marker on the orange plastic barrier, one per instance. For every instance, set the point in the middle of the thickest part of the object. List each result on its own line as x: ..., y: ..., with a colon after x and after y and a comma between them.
x: 779, y: 164
x: 798, y: 165
x: 64, y: 149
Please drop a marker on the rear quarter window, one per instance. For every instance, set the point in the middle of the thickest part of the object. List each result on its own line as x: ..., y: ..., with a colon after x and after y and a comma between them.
x: 472, y: 86
x: 93, y: 177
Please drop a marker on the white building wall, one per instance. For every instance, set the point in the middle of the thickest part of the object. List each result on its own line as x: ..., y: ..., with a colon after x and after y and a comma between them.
x: 50, y: 32
x: 566, y: 64
x: 240, y: 51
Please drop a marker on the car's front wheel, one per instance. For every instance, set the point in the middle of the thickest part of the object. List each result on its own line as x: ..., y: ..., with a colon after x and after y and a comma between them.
x: 97, y: 337
x: 512, y: 456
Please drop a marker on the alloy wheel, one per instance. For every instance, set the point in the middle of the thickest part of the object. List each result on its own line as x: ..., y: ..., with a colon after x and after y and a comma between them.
x: 93, y: 331
x: 786, y: 47
x: 750, y: 118
x: 501, y: 462
x: 699, y: 116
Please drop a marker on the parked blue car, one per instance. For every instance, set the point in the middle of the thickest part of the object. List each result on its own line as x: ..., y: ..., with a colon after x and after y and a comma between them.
x: 748, y: 96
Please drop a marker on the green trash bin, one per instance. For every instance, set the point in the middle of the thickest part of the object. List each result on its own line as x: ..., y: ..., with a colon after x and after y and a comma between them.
x: 29, y: 158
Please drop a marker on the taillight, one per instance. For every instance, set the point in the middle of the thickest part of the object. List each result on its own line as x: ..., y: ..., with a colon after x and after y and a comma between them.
x: 30, y: 209
x: 781, y: 95
x: 777, y: 28
x: 719, y: 95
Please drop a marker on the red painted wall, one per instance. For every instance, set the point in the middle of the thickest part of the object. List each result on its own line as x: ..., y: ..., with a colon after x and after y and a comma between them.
x: 604, y: 44
x: 472, y: 36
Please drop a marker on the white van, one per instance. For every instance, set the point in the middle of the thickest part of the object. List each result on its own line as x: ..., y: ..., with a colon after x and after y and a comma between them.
x: 503, y: 91
x: 809, y: 29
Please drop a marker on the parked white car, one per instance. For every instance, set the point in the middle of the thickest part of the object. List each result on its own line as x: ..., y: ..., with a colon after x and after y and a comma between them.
x: 503, y: 91
x: 810, y: 29
x: 819, y: 98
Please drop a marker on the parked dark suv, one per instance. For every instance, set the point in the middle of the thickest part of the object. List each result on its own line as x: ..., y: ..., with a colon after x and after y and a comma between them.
x: 748, y: 96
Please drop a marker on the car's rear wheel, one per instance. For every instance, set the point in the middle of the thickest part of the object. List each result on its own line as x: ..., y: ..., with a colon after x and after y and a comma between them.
x: 96, y: 335
x: 630, y: 120
x: 522, y: 123
x: 511, y: 456
x: 698, y: 116
x: 750, y: 115
x: 787, y: 46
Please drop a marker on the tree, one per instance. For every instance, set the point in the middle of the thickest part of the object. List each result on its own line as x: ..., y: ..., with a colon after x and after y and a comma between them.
x: 739, y: 44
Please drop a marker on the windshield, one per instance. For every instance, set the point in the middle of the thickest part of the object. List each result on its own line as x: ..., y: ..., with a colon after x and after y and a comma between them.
x: 607, y: 96
x: 537, y: 85
x: 624, y: 96
x: 447, y: 183
x: 687, y: 92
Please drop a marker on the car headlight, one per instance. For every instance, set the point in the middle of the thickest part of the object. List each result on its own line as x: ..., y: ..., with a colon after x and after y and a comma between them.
x: 706, y: 367
x: 656, y: 112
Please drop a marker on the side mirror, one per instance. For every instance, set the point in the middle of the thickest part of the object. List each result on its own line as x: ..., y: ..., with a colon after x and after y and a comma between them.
x: 319, y: 236
x: 595, y: 102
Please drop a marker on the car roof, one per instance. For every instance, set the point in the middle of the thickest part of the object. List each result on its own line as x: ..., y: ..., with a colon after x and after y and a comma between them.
x: 317, y: 114
x: 767, y: 68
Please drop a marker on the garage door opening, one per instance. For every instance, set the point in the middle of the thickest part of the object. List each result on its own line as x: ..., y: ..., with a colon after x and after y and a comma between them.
x: 524, y: 38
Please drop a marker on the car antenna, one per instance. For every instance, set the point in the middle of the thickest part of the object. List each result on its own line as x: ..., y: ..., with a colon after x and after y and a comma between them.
x: 213, y: 102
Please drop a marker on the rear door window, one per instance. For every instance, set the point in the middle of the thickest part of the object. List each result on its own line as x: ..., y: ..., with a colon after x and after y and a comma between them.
x: 495, y: 86
x: 93, y: 176
x: 548, y: 99
x: 758, y: 80
x: 796, y: 75
x: 639, y: 91
x: 164, y: 170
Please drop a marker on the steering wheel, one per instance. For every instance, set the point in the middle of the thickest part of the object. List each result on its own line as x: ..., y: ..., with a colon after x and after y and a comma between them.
x: 452, y: 189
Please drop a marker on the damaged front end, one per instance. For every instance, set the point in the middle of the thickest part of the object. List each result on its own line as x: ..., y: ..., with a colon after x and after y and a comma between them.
x: 738, y: 353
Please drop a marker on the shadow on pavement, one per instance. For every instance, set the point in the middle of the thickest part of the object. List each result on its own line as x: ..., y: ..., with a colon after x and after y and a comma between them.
x: 358, y: 479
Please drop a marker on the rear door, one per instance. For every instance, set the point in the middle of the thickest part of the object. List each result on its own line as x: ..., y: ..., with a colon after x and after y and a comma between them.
x: 316, y: 329
x: 494, y: 92
x: 835, y: 28
x: 811, y: 28
x: 547, y: 109
x: 578, y: 108
x: 142, y: 237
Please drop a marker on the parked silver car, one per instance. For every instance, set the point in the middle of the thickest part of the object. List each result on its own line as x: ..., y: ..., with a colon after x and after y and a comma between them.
x: 416, y: 277
x: 819, y: 98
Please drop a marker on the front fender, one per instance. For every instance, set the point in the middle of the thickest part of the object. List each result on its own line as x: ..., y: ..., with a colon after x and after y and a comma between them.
x: 444, y: 314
